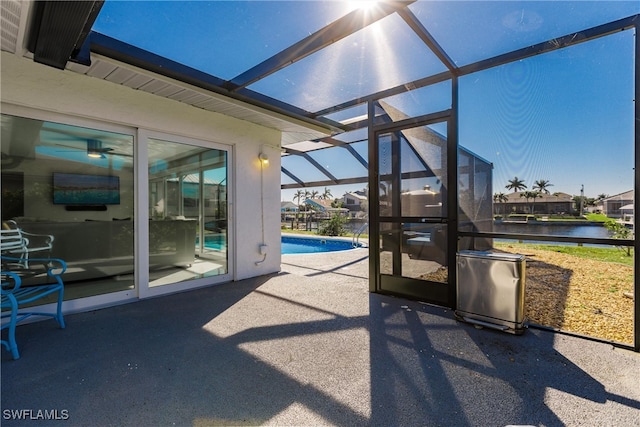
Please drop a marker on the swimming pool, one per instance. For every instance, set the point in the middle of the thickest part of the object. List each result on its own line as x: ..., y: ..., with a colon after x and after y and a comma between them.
x: 308, y: 245
x: 292, y: 244
x: 216, y: 242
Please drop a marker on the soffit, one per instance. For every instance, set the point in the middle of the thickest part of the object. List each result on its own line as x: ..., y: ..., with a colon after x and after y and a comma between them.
x: 115, y: 72
x: 10, y: 13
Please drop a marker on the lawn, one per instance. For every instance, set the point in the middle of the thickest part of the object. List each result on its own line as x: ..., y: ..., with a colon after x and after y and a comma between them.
x: 604, y: 254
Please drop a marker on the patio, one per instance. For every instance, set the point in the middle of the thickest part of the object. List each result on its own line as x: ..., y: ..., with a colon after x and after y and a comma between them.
x: 308, y: 346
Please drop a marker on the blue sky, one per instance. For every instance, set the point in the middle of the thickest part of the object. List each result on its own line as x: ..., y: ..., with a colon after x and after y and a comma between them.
x: 566, y: 117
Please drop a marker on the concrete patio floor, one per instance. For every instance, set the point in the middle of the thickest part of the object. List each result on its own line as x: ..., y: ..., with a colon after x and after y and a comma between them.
x: 308, y: 346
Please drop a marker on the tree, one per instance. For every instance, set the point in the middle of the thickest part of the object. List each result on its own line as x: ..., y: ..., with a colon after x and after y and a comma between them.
x: 620, y: 231
x: 531, y: 195
x: 326, y: 195
x: 314, y: 194
x: 516, y: 184
x: 299, y: 194
x: 337, y: 203
x: 534, y: 196
x: 333, y: 227
x: 580, y: 202
x: 305, y: 195
x: 542, y: 185
x: 502, y: 199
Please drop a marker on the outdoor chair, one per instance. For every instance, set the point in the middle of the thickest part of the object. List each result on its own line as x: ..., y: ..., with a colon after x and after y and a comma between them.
x: 17, y: 298
x: 16, y: 242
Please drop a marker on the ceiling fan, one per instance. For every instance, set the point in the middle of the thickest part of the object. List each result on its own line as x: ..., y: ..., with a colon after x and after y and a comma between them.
x: 74, y: 141
x: 96, y: 150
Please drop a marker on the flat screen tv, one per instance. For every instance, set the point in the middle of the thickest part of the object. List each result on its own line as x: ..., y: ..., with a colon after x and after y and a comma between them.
x: 82, y: 190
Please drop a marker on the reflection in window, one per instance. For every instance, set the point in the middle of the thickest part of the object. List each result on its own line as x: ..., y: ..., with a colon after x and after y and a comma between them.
x: 188, y: 236
x: 413, y: 170
x: 414, y: 250
x: 72, y: 188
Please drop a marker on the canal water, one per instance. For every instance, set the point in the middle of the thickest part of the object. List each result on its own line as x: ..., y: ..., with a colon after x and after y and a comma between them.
x: 555, y: 229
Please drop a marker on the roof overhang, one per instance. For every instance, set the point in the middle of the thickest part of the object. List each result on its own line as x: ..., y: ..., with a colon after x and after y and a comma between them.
x: 58, y: 34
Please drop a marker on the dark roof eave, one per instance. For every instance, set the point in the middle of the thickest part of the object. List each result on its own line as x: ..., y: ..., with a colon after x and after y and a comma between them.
x: 128, y: 54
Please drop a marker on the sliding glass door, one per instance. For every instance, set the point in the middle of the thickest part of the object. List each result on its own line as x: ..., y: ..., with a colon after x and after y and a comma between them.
x: 132, y: 213
x: 71, y: 188
x: 188, y: 212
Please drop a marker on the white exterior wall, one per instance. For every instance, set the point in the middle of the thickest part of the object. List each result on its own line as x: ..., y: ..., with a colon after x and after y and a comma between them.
x: 24, y: 83
x: 249, y: 206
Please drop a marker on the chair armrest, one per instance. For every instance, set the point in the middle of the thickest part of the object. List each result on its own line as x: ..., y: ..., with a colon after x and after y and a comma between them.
x: 54, y: 266
x: 46, y: 238
x: 51, y: 265
x: 7, y: 278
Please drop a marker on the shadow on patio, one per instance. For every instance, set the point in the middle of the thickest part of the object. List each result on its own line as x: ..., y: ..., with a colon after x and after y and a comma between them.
x: 309, y: 348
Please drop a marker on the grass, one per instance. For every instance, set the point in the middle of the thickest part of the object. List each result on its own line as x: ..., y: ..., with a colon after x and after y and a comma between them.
x: 592, y: 217
x: 613, y: 255
x: 579, y: 289
x: 597, y: 217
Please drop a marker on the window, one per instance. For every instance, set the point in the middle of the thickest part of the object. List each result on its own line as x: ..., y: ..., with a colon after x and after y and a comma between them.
x: 73, y: 187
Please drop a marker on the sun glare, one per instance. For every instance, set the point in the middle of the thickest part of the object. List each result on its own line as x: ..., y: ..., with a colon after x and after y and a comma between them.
x: 362, y: 4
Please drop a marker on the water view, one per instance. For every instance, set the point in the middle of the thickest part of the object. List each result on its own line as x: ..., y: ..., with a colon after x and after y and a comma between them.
x: 555, y: 229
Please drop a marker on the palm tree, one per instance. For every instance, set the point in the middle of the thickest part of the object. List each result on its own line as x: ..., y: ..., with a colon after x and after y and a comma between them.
x: 502, y: 199
x: 531, y: 195
x: 307, y: 194
x: 326, y: 194
x: 314, y: 194
x: 542, y: 185
x: 299, y: 194
x: 534, y: 196
x: 516, y: 184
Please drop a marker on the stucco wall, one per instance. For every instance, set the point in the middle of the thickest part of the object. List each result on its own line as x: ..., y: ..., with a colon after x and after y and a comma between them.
x: 27, y: 84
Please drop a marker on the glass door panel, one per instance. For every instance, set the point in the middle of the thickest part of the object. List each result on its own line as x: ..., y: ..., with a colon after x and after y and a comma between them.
x: 214, y: 232
x: 187, y: 212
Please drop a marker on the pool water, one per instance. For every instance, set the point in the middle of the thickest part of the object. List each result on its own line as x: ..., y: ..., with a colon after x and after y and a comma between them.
x: 291, y: 244
x: 217, y: 242
x: 306, y: 245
